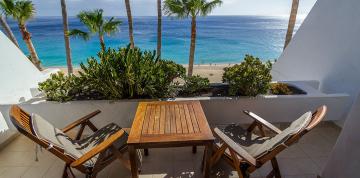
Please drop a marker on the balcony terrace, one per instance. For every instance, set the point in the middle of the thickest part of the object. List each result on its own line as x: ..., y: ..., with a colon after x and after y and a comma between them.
x: 302, y: 160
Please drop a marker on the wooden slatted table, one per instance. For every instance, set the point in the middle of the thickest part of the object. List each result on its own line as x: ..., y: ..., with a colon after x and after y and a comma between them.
x: 169, y: 124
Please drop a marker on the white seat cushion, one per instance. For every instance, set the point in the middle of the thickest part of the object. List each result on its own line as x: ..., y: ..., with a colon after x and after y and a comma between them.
x: 47, y: 132
x: 295, y: 127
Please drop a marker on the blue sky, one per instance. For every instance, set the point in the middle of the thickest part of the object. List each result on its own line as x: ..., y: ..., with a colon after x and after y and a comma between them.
x: 148, y: 7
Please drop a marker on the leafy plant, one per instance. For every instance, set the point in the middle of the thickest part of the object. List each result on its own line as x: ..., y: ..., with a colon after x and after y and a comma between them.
x: 250, y: 78
x: 59, y: 87
x: 194, y: 85
x: 280, y: 89
x: 124, y: 73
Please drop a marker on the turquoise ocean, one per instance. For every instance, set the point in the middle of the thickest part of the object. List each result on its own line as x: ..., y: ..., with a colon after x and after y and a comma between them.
x: 221, y: 39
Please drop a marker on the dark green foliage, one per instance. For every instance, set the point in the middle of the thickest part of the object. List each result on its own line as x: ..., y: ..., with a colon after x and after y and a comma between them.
x: 121, y: 74
x: 250, y: 78
x: 195, y: 85
x: 59, y: 87
x: 280, y: 89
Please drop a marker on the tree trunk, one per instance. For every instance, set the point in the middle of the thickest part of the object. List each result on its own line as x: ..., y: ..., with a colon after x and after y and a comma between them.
x: 8, y: 30
x: 130, y: 21
x: 292, y: 22
x: 27, y: 39
x: 66, y: 37
x: 192, y: 46
x: 102, y: 42
x: 159, y: 28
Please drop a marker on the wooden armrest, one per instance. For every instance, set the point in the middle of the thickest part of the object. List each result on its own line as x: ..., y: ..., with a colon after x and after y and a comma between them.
x: 235, y: 147
x: 263, y: 122
x: 80, y: 121
x: 98, y: 149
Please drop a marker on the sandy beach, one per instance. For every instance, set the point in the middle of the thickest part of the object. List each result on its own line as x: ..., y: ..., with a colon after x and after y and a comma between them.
x: 213, y: 72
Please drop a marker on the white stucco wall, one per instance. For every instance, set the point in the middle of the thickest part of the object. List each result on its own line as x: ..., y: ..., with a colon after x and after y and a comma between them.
x: 17, y: 73
x: 345, y: 158
x: 325, y: 48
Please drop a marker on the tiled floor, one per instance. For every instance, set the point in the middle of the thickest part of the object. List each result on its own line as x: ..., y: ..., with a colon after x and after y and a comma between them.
x: 302, y: 160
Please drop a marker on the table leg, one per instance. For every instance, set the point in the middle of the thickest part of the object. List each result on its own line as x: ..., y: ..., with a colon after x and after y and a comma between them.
x: 194, y: 149
x: 208, y: 153
x: 146, y: 152
x: 132, y: 156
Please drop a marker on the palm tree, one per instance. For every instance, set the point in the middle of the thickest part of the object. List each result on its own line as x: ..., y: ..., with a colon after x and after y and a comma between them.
x: 130, y: 21
x: 190, y: 8
x: 159, y: 28
x: 96, y: 23
x: 66, y: 37
x: 8, y: 30
x: 292, y: 22
x: 22, y: 11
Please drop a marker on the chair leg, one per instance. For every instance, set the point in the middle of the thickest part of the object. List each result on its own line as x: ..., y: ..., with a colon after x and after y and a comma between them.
x: 65, y: 172
x: 276, y: 171
x: 146, y: 152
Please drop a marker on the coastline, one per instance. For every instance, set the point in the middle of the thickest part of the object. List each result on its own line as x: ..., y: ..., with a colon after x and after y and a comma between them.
x: 213, y: 72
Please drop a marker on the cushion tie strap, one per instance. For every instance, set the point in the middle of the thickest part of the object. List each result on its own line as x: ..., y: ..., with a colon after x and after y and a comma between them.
x: 37, y: 148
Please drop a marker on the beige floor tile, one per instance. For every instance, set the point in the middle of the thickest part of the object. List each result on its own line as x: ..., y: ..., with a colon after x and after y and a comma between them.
x: 13, y: 172
x: 294, y: 151
x: 302, y: 160
x: 297, y: 166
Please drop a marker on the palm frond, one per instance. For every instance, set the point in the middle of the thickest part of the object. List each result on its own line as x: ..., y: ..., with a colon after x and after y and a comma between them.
x: 7, y: 7
x: 25, y: 10
x: 79, y: 34
x: 112, y: 26
x: 207, y: 7
x: 176, y: 8
x: 92, y: 19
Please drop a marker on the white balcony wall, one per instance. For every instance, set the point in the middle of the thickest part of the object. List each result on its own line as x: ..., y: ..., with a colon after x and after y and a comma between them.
x: 325, y: 48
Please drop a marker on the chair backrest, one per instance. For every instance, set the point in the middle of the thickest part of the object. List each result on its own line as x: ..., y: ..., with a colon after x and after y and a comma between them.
x: 316, y: 118
x: 22, y: 122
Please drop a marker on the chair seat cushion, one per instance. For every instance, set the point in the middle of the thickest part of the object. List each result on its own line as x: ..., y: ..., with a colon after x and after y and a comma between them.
x: 47, y: 132
x: 256, y: 145
x: 247, y: 140
x: 88, y: 143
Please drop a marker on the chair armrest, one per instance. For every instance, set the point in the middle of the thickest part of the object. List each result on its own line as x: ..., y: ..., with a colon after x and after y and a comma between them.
x: 263, y: 122
x: 232, y: 145
x: 98, y: 149
x: 80, y: 121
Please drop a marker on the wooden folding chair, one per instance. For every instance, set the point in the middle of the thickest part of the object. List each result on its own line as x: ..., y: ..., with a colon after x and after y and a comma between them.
x: 238, y: 154
x: 102, y: 154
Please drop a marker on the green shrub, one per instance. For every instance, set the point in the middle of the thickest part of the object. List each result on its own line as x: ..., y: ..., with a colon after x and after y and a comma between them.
x: 194, y: 85
x: 250, y: 78
x: 122, y: 74
x: 280, y: 89
x: 59, y: 87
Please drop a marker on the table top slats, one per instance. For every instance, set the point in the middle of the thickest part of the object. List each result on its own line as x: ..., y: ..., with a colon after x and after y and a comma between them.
x: 146, y: 119
x: 184, y: 125
x: 151, y: 120
x: 162, y: 119
x: 188, y: 119
x: 136, y: 129
x: 170, y: 122
x: 167, y: 120
x: 156, y: 120
x: 172, y: 119
x: 178, y: 119
x: 194, y: 119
